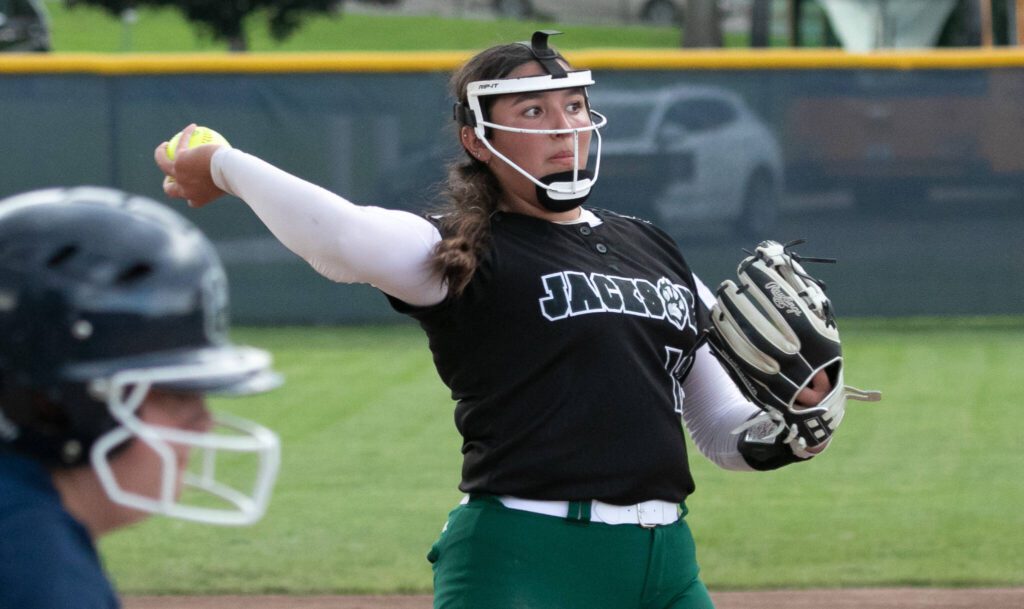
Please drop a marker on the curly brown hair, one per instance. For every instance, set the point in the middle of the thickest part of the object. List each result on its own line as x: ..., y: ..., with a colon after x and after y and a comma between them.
x: 472, y: 193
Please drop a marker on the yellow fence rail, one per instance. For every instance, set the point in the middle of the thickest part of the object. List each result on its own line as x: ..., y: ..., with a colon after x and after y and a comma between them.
x: 436, y: 61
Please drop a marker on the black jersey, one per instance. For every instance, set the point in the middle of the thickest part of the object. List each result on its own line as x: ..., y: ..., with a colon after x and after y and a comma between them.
x: 566, y: 354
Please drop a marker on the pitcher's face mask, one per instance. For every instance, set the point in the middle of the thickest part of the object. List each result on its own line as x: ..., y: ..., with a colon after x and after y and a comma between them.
x: 559, y: 191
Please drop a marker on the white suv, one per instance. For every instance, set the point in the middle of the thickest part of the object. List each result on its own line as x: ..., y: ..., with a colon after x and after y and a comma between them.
x: 683, y: 154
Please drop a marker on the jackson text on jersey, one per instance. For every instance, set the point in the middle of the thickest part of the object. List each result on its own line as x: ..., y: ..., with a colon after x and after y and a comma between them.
x: 572, y: 293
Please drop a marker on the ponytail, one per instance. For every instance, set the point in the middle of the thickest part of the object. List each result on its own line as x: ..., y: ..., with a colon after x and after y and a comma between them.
x: 472, y: 194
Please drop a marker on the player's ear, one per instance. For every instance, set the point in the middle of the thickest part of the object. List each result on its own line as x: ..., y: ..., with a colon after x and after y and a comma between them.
x: 473, y: 145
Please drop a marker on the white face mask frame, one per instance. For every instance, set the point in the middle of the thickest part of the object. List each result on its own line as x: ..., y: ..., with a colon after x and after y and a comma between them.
x: 126, y: 391
x: 581, y: 79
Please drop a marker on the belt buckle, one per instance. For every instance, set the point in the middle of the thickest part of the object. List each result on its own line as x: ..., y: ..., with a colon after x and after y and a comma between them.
x: 640, y: 518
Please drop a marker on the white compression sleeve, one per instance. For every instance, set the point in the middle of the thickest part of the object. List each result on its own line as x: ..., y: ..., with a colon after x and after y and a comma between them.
x: 713, y: 406
x: 348, y: 243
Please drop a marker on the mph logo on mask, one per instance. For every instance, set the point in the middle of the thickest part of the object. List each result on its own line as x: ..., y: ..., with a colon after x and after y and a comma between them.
x: 571, y: 293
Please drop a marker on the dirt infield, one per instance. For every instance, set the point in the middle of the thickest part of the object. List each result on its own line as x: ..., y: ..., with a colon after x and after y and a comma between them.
x: 867, y: 598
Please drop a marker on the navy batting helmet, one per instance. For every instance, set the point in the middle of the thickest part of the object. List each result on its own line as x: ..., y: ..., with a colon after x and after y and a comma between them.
x: 103, y: 295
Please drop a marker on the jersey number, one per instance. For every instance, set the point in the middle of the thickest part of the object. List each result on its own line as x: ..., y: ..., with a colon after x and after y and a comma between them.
x: 677, y: 364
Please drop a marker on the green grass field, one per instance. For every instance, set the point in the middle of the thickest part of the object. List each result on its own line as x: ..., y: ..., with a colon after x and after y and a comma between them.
x: 157, y: 30
x: 921, y: 489
x: 88, y: 29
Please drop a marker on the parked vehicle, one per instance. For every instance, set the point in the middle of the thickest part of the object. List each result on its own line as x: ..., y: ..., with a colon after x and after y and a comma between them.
x: 891, y: 136
x: 23, y: 26
x: 688, y: 154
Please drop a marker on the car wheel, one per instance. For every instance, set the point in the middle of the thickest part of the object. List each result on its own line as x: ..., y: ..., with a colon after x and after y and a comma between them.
x: 661, y: 12
x: 760, y: 206
x: 515, y: 9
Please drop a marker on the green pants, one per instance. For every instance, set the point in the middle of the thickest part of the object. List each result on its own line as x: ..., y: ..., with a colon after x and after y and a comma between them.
x: 492, y: 557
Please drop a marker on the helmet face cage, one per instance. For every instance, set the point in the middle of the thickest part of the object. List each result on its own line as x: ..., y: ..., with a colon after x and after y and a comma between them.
x: 579, y: 181
x: 103, y: 296
x: 124, y: 393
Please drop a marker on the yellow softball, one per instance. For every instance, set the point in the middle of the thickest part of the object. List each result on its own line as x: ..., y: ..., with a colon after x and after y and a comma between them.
x: 200, y: 136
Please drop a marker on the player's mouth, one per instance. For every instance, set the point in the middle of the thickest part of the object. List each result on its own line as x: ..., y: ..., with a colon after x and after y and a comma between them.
x: 563, y: 159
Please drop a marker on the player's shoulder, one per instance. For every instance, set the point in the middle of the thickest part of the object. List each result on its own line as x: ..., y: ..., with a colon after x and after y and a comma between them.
x: 609, y: 215
x: 644, y: 234
x: 632, y: 223
x: 55, y: 562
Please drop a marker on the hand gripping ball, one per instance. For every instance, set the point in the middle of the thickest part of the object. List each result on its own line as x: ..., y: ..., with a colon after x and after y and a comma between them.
x: 200, y: 136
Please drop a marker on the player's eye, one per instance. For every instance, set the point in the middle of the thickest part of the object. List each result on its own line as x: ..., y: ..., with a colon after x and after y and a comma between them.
x: 532, y: 112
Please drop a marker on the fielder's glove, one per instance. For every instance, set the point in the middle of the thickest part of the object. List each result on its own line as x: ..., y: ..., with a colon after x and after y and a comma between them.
x: 773, y: 333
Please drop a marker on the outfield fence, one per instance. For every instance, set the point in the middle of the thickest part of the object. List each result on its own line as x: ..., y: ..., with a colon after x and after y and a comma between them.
x: 906, y: 166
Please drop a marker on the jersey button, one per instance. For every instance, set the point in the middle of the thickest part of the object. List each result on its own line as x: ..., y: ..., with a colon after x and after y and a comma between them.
x: 601, y: 248
x: 585, y: 231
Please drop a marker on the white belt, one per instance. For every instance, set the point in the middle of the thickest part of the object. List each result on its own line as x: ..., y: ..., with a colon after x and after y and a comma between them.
x: 646, y: 514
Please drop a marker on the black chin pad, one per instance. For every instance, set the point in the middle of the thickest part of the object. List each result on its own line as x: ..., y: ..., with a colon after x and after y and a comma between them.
x: 560, y: 205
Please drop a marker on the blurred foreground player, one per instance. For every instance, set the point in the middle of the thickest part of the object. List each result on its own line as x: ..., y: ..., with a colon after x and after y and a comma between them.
x: 113, y: 327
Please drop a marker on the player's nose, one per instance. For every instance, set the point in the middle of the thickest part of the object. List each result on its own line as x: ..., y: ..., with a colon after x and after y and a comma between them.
x: 561, y: 120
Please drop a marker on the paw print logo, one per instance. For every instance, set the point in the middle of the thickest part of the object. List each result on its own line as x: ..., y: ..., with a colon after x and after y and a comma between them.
x: 679, y: 302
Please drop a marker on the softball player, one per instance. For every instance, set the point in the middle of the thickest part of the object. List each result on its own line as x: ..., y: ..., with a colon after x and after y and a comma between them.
x: 569, y: 337
x: 112, y: 312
